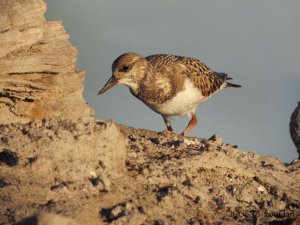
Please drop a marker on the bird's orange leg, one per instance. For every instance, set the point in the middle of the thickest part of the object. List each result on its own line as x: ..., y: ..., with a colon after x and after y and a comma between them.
x: 190, y: 126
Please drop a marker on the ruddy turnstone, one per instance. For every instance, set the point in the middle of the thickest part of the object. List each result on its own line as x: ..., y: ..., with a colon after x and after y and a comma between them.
x: 170, y: 85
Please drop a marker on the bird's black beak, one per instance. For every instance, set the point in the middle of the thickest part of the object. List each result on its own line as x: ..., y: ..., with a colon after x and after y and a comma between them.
x: 110, y: 83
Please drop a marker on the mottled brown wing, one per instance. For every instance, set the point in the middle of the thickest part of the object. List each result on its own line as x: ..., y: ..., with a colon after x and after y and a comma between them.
x: 162, y: 60
x: 207, y: 83
x: 193, y: 65
x: 203, y: 77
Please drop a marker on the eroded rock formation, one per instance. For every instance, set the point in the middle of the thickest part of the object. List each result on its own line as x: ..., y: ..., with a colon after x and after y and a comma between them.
x: 38, y: 75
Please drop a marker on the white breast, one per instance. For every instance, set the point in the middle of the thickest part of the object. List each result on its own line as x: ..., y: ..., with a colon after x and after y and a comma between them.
x: 183, y: 103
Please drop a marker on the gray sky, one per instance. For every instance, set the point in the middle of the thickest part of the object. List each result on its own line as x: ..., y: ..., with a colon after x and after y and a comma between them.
x: 255, y: 42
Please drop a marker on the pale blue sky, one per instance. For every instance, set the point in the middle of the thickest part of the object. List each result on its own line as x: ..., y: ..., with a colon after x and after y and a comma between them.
x: 255, y: 42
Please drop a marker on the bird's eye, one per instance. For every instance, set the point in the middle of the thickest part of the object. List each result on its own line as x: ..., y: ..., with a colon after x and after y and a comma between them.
x: 125, y: 68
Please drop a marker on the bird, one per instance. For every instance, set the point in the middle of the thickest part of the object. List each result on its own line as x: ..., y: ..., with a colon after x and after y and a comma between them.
x: 170, y: 85
x: 295, y: 128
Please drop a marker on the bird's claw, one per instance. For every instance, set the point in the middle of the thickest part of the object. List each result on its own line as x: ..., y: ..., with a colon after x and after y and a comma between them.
x: 167, y: 132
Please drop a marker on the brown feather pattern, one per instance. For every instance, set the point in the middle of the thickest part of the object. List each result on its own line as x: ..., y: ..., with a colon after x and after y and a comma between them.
x: 161, y: 84
x: 203, y: 77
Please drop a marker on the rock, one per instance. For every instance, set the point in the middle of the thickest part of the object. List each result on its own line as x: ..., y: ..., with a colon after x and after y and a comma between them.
x: 123, y: 213
x: 216, y: 139
x: 162, y: 192
x: 3, y: 183
x: 113, y: 213
x: 55, y: 161
x: 9, y: 157
x: 38, y: 76
x: 47, y: 219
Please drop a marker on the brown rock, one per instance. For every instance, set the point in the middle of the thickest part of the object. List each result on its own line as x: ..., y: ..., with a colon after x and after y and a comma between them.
x: 47, y: 219
x: 57, y: 162
x: 38, y: 76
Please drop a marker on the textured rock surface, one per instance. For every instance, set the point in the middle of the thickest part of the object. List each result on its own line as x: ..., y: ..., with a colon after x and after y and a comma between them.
x: 47, y: 219
x: 38, y: 76
x: 200, y: 181
x: 56, y: 159
x: 57, y: 164
x: 91, y: 172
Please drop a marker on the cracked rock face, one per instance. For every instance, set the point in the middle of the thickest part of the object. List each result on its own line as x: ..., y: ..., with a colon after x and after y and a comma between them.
x: 38, y: 76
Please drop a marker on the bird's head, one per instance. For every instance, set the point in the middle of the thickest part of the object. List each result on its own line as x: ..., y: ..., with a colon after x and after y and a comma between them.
x: 129, y: 69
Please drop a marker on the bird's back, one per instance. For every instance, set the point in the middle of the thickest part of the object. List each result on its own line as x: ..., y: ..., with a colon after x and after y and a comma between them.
x: 201, y: 75
x: 194, y: 66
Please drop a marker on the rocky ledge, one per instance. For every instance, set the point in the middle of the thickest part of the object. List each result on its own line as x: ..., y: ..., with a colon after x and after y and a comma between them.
x: 97, y: 172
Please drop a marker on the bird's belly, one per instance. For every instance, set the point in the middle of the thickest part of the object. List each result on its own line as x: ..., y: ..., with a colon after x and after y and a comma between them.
x: 183, y: 103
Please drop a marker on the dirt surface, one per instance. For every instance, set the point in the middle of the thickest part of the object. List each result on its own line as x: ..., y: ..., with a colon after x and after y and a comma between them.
x: 96, y: 172
x: 200, y: 181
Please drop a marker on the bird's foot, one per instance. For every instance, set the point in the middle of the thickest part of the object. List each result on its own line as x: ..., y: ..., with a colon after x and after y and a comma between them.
x: 167, y: 132
x: 183, y: 134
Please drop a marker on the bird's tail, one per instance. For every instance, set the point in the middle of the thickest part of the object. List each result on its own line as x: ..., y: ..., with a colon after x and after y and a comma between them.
x: 225, y: 77
x: 233, y: 85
